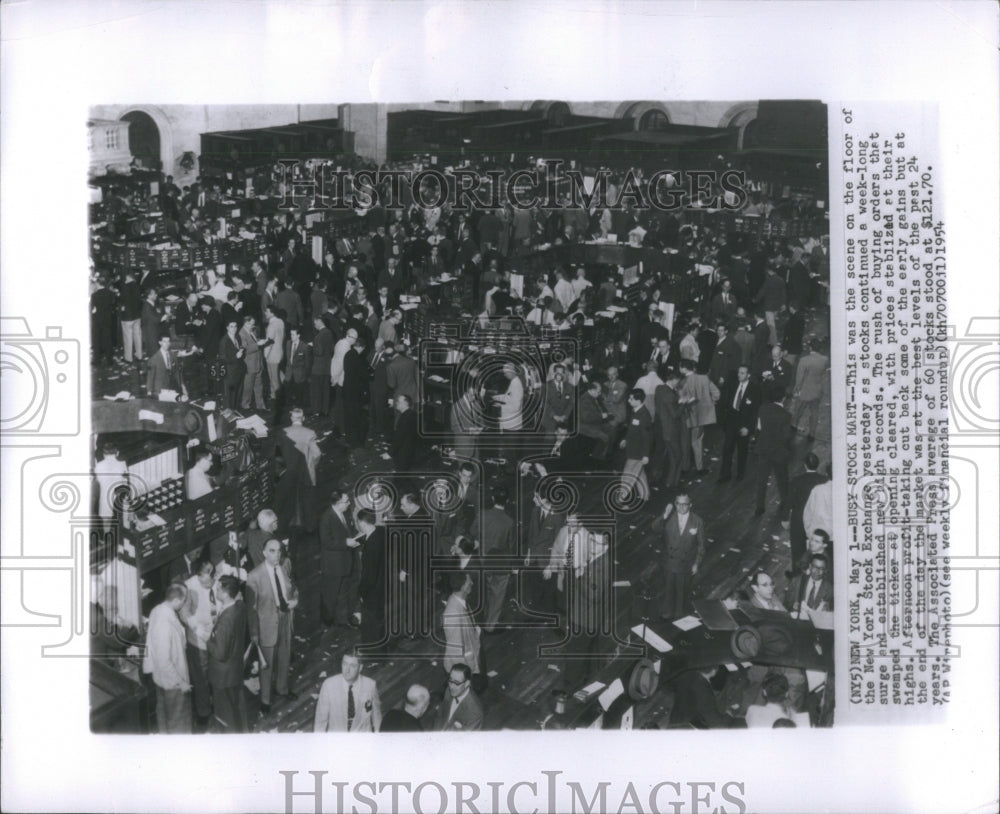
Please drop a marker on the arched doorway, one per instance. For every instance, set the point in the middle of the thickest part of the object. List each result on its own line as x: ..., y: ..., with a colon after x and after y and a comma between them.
x: 654, y: 120
x: 143, y: 139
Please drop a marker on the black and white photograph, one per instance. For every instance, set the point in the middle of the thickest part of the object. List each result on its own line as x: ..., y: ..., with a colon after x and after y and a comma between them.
x: 499, y: 406
x: 531, y: 399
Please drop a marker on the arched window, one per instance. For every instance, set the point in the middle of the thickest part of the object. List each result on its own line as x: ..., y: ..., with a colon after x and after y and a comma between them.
x: 653, y: 121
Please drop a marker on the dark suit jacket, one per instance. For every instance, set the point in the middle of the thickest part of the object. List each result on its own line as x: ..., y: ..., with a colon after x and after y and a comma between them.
x: 234, y: 365
x: 159, y: 378
x: 669, y: 415
x: 775, y: 434
x: 591, y: 421
x: 403, y: 445
x: 639, y: 435
x: 761, y: 355
x: 799, y: 488
x: 542, y: 533
x: 335, y: 557
x: 399, y: 720
x: 322, y: 353
x: 226, y: 646
x: 557, y: 404
x: 499, y: 536
x: 797, y: 593
x: 355, y: 376
x: 681, y: 551
x: 725, y: 359
x: 783, y: 374
x: 298, y: 366
x: 722, y: 311
x: 468, y: 716
x: 745, y: 416
x: 374, y: 562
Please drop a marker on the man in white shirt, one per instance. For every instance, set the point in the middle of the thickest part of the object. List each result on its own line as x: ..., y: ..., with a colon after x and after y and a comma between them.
x: 274, y: 349
x: 197, y: 482
x: 198, y: 615
x: 110, y: 473
x: 511, y: 401
x: 648, y: 384
x: 564, y: 291
x: 580, y: 283
x: 166, y: 660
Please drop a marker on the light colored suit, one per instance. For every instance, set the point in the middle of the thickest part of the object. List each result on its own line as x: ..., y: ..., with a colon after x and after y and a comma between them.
x: 461, y: 635
x: 331, y: 707
x: 271, y: 626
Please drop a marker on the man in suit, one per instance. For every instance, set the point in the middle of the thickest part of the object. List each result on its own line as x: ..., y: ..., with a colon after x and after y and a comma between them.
x: 559, y: 400
x: 740, y: 401
x: 374, y: 584
x: 253, y: 382
x: 407, y: 719
x: 725, y: 358
x: 348, y: 702
x: 760, y: 356
x: 724, y: 306
x: 638, y: 445
x: 271, y: 601
x: 164, y: 371
x: 670, y: 425
x: 402, y: 374
x: 130, y: 316
x: 499, y: 541
x: 151, y: 320
x: 573, y: 549
x: 274, y: 348
x: 464, y: 425
x: 811, y: 591
x: 297, y: 367
x: 319, y: 372
x: 102, y: 313
x: 810, y: 377
x: 355, y: 393
x: 338, y: 588
x: 543, y: 526
x: 461, y: 633
x: 225, y: 656
x: 403, y: 444
x: 779, y: 370
x: 698, y: 395
x: 594, y: 421
x: 774, y: 438
x: 683, y: 552
x: 771, y: 299
x: 231, y: 356
x: 799, y: 489
x: 462, y: 709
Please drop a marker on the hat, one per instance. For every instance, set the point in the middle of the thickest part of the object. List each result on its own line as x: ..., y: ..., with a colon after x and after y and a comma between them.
x: 643, y: 680
x: 745, y: 643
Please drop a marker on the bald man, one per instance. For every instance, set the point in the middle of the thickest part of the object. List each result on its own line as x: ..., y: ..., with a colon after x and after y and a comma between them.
x: 407, y: 719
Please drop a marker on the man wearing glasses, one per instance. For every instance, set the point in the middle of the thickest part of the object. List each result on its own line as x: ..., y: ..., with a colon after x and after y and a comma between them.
x: 462, y: 709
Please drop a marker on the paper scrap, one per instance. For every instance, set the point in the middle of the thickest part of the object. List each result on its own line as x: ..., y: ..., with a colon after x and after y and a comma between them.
x: 687, y: 623
x: 607, y: 698
x: 492, y: 674
x: 815, y: 678
x: 653, y: 638
x: 621, y: 583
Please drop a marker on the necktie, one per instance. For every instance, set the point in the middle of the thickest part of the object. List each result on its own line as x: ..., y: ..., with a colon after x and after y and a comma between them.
x: 570, y: 551
x: 739, y: 397
x: 812, y: 594
x: 350, y: 706
x: 282, y: 604
x: 166, y: 358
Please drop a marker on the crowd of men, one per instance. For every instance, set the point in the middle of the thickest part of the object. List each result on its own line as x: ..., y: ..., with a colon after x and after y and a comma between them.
x: 325, y: 344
